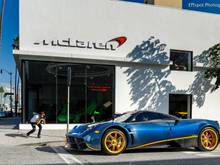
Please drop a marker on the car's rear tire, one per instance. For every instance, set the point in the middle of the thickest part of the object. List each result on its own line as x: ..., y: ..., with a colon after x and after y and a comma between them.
x: 208, y: 139
x: 114, y: 142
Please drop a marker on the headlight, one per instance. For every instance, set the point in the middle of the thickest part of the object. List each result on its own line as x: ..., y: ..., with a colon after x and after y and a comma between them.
x: 91, y: 126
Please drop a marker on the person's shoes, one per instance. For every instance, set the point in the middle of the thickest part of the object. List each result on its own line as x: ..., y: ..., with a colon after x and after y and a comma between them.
x: 38, y: 136
x: 27, y: 134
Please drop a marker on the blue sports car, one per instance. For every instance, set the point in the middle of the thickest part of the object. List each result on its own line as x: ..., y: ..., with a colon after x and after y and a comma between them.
x: 140, y: 129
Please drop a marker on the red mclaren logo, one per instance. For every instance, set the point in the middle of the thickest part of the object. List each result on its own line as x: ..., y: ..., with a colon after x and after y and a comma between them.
x: 111, y: 45
x: 120, y: 40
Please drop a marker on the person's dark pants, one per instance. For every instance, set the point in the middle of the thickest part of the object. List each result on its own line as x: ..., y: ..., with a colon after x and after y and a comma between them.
x: 34, y: 129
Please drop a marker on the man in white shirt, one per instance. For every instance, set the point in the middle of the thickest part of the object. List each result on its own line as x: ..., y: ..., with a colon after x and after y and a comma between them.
x: 37, y: 119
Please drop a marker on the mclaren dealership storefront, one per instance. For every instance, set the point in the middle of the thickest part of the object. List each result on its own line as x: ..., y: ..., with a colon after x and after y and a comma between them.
x: 116, y: 56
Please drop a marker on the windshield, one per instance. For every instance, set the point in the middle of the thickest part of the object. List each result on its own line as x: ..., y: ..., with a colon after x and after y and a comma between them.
x: 125, y: 117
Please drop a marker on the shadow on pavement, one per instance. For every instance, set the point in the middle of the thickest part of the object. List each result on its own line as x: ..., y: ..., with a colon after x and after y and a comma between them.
x: 99, y: 153
x: 147, y: 150
x: 74, y: 152
x: 167, y: 149
x: 45, y: 148
x: 96, y: 153
x: 41, y: 143
x: 14, y: 135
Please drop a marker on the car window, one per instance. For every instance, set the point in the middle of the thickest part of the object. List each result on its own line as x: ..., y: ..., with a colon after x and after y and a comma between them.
x: 141, y: 117
x: 124, y: 117
x: 167, y: 117
x: 153, y: 116
x: 147, y: 116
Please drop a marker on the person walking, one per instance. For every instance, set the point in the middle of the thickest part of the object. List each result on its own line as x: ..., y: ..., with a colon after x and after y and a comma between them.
x: 37, y: 120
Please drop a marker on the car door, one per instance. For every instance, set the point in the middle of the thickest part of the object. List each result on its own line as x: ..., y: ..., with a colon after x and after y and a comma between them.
x: 178, y: 128
x: 181, y: 129
x: 147, y: 127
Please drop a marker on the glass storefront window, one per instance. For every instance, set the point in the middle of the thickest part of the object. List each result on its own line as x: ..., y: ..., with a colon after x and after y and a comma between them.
x: 149, y: 2
x: 91, y: 91
x: 180, y: 105
x: 182, y: 60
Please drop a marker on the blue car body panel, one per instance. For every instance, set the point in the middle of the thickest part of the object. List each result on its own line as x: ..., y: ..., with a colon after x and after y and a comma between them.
x: 139, y: 134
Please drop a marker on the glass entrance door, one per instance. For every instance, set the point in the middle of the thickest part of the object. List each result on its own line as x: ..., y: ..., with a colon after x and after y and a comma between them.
x: 91, y: 91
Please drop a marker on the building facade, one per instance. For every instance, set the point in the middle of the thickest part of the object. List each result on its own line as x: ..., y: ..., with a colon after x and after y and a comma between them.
x: 212, y: 6
x: 120, y: 57
x: 167, y: 3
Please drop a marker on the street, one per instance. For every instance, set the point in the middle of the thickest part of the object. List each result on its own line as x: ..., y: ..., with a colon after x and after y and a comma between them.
x: 16, y: 148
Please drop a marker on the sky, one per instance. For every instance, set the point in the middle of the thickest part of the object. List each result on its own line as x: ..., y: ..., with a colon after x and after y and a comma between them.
x: 10, y: 32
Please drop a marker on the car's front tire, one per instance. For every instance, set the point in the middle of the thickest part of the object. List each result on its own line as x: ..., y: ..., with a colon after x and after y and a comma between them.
x: 208, y: 139
x: 114, y: 142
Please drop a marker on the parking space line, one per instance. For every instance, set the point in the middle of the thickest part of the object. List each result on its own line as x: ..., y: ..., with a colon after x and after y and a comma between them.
x: 66, y: 156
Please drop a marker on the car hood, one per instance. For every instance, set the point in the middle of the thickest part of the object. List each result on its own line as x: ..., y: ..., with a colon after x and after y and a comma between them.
x: 80, y: 128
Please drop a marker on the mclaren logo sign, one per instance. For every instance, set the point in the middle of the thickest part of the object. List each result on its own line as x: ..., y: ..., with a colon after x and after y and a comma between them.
x: 110, y: 45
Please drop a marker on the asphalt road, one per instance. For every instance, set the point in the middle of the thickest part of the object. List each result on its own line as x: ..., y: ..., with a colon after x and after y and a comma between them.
x: 15, y: 148
x: 55, y: 154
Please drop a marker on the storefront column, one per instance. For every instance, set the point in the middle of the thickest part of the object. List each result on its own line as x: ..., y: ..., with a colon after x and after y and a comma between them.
x: 23, y: 86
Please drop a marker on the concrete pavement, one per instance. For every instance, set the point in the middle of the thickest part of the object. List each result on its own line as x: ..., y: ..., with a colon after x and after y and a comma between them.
x: 16, y: 148
x: 10, y: 135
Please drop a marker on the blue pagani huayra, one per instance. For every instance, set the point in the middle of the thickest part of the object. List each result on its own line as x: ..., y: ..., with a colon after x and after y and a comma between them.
x: 140, y: 129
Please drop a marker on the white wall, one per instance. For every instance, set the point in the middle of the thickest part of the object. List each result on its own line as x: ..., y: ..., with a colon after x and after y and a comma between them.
x: 102, y: 20
x: 152, y: 93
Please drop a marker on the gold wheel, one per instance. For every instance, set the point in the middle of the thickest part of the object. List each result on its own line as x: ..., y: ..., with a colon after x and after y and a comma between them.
x: 209, y: 139
x: 114, y: 142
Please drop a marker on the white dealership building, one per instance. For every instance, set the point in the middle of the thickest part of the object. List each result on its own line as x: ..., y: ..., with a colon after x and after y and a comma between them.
x: 122, y: 56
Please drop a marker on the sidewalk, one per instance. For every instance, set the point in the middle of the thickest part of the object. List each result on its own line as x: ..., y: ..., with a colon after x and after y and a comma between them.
x: 17, y: 149
x: 10, y: 135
